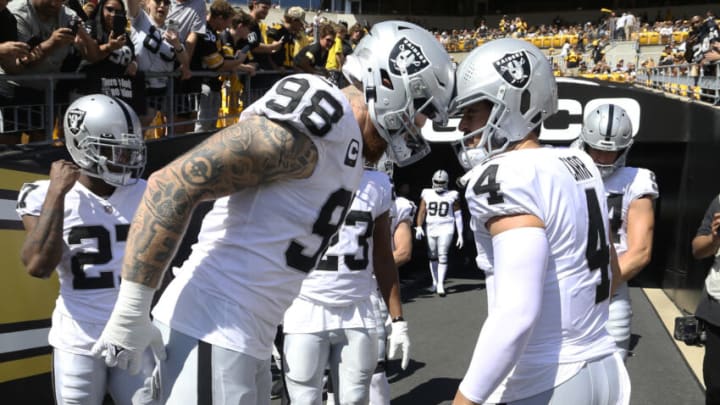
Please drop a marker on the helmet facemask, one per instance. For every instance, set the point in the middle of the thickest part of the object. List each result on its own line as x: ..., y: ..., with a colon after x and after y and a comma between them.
x: 607, y: 128
x: 406, y: 77
x: 119, y: 161
x: 515, y: 81
x: 104, y: 137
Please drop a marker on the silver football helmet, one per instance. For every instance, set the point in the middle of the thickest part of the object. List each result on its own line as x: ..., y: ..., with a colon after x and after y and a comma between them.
x: 440, y: 180
x: 104, y: 138
x: 516, y: 79
x: 607, y: 128
x: 402, y: 71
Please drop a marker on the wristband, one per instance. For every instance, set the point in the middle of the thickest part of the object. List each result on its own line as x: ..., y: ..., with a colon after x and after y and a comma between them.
x: 398, y: 319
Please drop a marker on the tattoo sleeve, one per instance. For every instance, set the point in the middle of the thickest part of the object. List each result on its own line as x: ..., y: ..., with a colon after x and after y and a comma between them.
x: 253, y: 152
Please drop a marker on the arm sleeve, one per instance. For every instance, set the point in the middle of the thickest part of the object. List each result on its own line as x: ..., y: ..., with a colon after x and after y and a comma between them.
x: 459, y: 222
x: 518, y: 284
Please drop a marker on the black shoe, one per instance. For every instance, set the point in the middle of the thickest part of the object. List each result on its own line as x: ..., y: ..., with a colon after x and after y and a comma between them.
x: 277, y: 389
x: 441, y: 294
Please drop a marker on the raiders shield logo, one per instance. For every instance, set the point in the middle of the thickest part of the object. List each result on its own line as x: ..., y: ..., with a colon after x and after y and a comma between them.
x: 407, y: 56
x: 75, y: 120
x: 514, y: 68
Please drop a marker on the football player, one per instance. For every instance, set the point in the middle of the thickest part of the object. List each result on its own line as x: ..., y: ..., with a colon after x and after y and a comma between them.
x: 401, y: 216
x: 439, y: 209
x: 541, y: 217
x: 333, y: 320
x: 282, y: 179
x: 77, y: 222
x: 607, y: 135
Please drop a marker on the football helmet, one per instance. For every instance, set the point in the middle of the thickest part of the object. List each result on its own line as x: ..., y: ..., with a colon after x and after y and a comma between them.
x: 440, y: 180
x: 104, y: 138
x: 607, y: 128
x: 516, y: 79
x: 402, y: 71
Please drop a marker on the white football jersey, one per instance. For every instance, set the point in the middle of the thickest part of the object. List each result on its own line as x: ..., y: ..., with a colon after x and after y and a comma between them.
x: 439, y: 211
x: 94, y: 230
x: 564, y: 189
x: 622, y: 187
x: 256, y: 246
x: 345, y: 273
x: 402, y: 210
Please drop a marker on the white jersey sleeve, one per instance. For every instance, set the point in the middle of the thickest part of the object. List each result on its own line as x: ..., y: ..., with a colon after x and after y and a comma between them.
x: 624, y: 186
x: 94, y: 232
x: 563, y: 188
x: 256, y: 246
x: 403, y: 210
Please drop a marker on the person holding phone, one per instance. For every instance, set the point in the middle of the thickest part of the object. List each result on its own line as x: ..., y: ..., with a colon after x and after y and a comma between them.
x: 49, y: 22
x: 108, y: 26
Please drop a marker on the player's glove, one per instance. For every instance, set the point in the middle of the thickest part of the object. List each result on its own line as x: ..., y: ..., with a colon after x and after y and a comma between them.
x: 419, y: 233
x: 459, y: 243
x: 399, y: 343
x: 129, y: 330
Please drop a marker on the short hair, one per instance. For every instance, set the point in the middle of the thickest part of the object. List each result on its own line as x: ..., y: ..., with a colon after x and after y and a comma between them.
x: 356, y: 28
x: 221, y: 8
x: 241, y: 17
x: 325, y: 30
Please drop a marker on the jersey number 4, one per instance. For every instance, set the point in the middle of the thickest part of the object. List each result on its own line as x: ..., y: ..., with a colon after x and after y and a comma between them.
x: 597, y: 252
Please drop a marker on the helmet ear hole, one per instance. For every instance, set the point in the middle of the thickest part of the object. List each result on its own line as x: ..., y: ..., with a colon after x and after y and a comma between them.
x: 524, y: 102
x: 385, y: 80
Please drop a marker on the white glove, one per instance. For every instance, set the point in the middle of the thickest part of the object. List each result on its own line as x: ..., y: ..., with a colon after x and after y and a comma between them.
x: 419, y: 233
x: 398, y: 342
x: 459, y: 242
x: 129, y: 330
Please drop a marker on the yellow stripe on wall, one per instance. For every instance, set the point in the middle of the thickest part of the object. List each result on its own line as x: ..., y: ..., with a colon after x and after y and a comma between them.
x: 14, y: 370
x: 14, y: 179
x: 22, y: 298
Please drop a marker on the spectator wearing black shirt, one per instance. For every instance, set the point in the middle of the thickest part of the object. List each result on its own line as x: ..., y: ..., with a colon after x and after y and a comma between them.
x: 313, y: 58
x: 293, y: 24
x: 114, y: 73
x: 209, y: 56
x: 257, y: 39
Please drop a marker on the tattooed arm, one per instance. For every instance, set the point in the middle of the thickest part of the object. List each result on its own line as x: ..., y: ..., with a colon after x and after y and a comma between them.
x: 254, y: 152
x: 43, y: 246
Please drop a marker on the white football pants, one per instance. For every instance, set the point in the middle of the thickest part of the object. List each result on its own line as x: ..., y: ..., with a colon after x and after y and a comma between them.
x: 351, y: 355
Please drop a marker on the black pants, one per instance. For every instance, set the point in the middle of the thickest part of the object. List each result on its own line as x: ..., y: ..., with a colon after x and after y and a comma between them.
x: 711, y: 365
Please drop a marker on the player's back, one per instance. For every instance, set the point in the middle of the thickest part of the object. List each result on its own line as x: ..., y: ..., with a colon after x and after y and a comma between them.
x: 564, y: 189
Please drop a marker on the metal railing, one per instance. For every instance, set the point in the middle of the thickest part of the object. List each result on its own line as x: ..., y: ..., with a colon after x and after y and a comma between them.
x: 685, y: 80
x: 40, y: 116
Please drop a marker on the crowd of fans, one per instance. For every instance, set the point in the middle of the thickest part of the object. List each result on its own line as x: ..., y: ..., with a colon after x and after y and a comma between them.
x: 155, y: 48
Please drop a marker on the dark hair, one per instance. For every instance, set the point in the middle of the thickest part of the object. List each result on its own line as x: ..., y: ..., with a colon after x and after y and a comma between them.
x: 325, y: 30
x: 241, y: 17
x: 221, y: 8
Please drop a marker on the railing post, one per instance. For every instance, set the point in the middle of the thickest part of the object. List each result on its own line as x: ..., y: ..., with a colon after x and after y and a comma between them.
x: 49, y: 116
x: 171, y: 106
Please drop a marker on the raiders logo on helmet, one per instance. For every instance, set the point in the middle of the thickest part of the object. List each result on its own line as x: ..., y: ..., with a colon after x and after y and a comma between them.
x: 407, y: 56
x: 75, y: 118
x: 514, y: 68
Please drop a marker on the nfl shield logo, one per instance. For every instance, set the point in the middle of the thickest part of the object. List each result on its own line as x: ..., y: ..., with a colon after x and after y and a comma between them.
x: 75, y: 119
x: 514, y: 68
x: 407, y: 56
